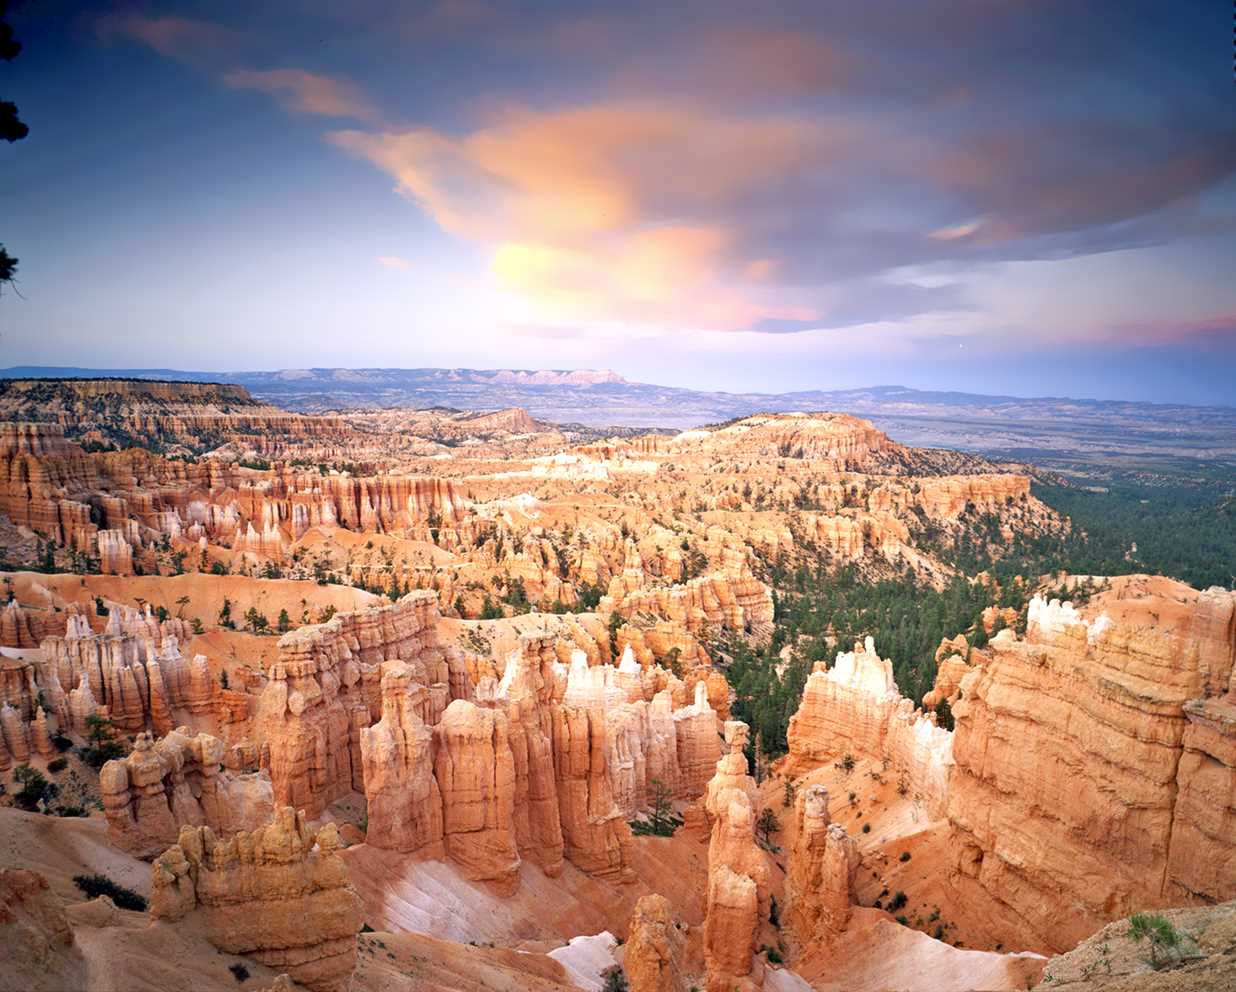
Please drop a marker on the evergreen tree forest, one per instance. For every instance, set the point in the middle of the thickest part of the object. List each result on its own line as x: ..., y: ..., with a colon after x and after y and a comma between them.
x: 1186, y: 531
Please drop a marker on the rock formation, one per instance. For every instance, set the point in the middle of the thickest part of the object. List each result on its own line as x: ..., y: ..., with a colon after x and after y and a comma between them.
x: 404, y: 802
x: 822, y: 866
x: 476, y: 775
x: 738, y: 873
x: 1095, y: 761
x: 325, y: 688
x: 176, y: 781
x: 279, y: 893
x: 854, y: 708
x: 653, y: 950
x: 134, y: 669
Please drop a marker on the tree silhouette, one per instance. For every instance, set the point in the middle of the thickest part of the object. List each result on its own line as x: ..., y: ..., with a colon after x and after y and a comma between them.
x: 12, y: 127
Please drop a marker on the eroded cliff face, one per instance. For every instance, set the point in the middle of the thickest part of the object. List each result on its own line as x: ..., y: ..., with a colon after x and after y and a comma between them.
x: 823, y: 862
x: 548, y: 763
x: 1091, y: 765
x: 1094, y: 760
x: 738, y: 872
x: 325, y: 689
x: 654, y: 948
x: 176, y: 781
x: 279, y: 893
x: 404, y: 801
x: 133, y: 673
x: 855, y: 708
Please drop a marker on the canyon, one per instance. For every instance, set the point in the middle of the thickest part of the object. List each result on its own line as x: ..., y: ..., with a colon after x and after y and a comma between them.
x: 378, y: 697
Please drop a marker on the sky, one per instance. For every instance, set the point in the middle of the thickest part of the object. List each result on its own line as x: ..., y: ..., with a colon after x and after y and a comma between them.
x: 1025, y: 197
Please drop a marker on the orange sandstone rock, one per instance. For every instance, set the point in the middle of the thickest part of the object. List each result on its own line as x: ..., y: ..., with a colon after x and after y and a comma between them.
x: 279, y: 893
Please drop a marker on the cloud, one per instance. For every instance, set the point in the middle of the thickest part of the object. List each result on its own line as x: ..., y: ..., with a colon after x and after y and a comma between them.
x: 607, y: 212
x: 394, y: 262
x: 773, y: 175
x: 306, y: 92
x: 180, y: 38
x: 956, y: 231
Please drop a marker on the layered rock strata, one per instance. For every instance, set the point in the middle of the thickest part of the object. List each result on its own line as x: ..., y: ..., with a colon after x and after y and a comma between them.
x: 1095, y: 761
x: 823, y: 863
x: 176, y: 781
x: 738, y: 872
x: 325, y: 688
x: 654, y: 948
x: 854, y: 708
x: 279, y: 893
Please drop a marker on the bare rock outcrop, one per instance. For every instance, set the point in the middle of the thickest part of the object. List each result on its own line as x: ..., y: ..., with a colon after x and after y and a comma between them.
x: 475, y: 772
x: 738, y: 872
x: 326, y: 687
x: 654, y: 948
x: 855, y: 708
x: 134, y: 669
x: 822, y: 867
x: 280, y: 893
x: 39, y: 950
x: 405, y: 804
x: 1095, y: 760
x: 176, y: 781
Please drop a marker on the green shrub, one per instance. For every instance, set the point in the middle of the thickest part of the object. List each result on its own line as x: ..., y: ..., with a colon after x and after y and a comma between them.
x: 239, y: 972
x: 615, y: 980
x: 57, y: 765
x: 1158, y: 930
x: 905, y: 856
x: 101, y: 885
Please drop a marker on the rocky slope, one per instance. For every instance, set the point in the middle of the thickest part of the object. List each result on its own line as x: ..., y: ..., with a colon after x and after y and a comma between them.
x: 186, y: 417
x: 1091, y: 762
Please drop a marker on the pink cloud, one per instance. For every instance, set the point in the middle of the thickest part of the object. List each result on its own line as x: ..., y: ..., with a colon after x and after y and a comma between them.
x: 306, y: 92
x: 181, y: 38
x: 608, y: 211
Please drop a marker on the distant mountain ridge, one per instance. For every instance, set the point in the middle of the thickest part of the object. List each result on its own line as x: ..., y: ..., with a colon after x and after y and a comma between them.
x: 1042, y: 428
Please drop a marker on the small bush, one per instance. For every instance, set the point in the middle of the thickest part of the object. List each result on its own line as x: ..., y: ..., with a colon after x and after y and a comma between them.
x: 899, y: 899
x: 101, y: 885
x: 61, y: 742
x: 35, y: 788
x: 905, y: 856
x: 1163, y: 937
x: 773, y: 955
x: 615, y: 980
x: 866, y: 828
x: 903, y: 920
x: 57, y: 765
x: 239, y: 972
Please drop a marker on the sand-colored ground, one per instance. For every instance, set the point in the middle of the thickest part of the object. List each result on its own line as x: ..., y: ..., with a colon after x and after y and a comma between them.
x: 1111, y: 961
x: 403, y: 962
x: 431, y: 897
x: 205, y: 594
x: 877, y: 953
x: 113, y: 950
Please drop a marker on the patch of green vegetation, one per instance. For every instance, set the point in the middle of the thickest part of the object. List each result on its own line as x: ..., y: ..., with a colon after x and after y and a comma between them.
x: 101, y: 885
x: 1184, y: 528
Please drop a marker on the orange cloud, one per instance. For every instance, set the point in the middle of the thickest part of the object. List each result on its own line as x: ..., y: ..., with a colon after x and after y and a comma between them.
x: 606, y: 212
x: 306, y: 92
